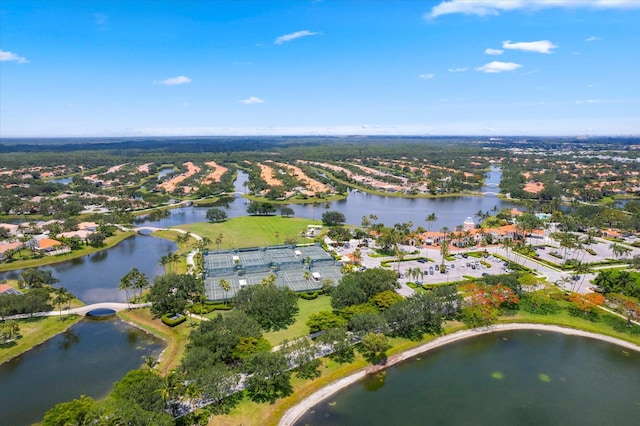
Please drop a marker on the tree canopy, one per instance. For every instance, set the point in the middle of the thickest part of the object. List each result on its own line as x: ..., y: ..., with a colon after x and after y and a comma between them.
x: 272, y: 307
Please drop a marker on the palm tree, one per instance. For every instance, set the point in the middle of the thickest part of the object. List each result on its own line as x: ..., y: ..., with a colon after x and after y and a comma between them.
x: 226, y: 286
x: 357, y: 255
x: 219, y: 240
x: 125, y: 284
x: 138, y: 281
x: 164, y: 261
x: 150, y: 362
x: 507, y: 244
x: 580, y: 269
x: 458, y: 235
x: 431, y: 219
x: 61, y: 297
x: 618, y: 250
x: 170, y: 391
x: 174, y: 259
x: 307, y: 276
x: 205, y: 242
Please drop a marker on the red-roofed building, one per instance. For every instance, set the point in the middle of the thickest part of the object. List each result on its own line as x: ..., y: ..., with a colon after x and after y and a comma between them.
x: 49, y: 246
x: 7, y: 289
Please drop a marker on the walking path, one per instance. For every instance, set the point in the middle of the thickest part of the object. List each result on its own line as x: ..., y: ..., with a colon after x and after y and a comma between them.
x: 83, y: 310
x: 294, y: 413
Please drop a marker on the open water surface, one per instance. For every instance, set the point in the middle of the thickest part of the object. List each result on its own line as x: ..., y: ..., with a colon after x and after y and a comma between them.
x: 506, y: 378
x: 85, y: 360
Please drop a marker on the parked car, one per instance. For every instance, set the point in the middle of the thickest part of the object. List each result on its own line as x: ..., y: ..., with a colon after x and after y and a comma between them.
x: 484, y: 274
x: 422, y: 260
x: 430, y: 270
x: 465, y: 255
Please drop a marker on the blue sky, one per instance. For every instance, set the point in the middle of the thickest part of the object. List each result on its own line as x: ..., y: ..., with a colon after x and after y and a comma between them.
x: 454, y: 67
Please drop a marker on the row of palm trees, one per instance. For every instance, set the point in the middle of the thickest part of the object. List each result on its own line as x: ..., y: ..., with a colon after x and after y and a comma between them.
x: 134, y: 280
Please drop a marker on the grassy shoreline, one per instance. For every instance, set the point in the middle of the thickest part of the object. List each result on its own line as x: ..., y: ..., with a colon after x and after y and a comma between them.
x: 250, y: 413
x: 175, y: 338
x: 34, y: 332
x: 50, y: 260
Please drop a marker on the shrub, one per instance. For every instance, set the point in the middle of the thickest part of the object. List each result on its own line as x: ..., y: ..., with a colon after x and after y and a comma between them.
x: 173, y: 319
x: 591, y: 251
x: 308, y: 296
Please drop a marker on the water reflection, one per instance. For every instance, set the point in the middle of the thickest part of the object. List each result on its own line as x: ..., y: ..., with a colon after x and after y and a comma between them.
x: 86, y: 359
x: 96, y: 280
x: 374, y: 382
x: 69, y: 339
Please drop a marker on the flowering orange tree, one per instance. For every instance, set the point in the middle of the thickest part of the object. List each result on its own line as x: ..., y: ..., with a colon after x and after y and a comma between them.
x: 483, y: 303
x: 587, y: 302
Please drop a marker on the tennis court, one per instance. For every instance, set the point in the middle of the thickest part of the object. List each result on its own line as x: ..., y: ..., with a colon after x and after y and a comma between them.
x: 250, y: 266
x: 314, y: 253
x: 218, y: 261
x: 329, y: 271
x: 296, y: 282
x: 253, y: 258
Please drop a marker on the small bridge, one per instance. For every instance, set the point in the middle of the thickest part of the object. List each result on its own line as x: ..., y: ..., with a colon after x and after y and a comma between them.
x: 82, y: 310
x: 114, y: 306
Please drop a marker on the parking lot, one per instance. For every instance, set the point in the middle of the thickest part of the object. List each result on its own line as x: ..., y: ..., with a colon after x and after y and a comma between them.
x: 602, y: 249
x: 455, y: 270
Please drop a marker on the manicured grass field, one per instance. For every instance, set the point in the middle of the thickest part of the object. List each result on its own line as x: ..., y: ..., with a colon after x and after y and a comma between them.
x: 34, y: 331
x: 299, y: 328
x: 252, y: 231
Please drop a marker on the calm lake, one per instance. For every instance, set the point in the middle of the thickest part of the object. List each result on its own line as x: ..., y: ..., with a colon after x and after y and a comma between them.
x: 450, y: 211
x: 86, y: 360
x: 95, y: 277
x: 506, y: 378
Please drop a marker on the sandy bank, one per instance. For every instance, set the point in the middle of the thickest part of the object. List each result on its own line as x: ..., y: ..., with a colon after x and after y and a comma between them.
x: 295, y: 412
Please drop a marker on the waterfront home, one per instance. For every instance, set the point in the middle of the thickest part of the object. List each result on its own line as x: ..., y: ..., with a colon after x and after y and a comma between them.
x: 7, y: 289
x: 6, y: 247
x: 50, y: 247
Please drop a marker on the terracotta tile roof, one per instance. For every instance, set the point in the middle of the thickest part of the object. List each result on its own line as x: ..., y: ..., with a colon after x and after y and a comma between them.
x: 46, y: 243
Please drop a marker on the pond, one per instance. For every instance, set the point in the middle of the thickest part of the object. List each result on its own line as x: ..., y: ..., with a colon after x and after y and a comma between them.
x: 95, y: 277
x: 62, y: 181
x: 514, y: 378
x: 85, y: 360
x: 450, y: 211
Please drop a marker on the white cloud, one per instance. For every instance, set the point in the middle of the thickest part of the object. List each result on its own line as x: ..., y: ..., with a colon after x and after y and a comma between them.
x: 497, y: 67
x: 495, y: 7
x: 491, y: 51
x: 593, y: 38
x: 252, y: 101
x: 175, y: 81
x: 541, y: 46
x: 461, y: 69
x: 10, y: 56
x: 426, y: 76
x: 293, y: 36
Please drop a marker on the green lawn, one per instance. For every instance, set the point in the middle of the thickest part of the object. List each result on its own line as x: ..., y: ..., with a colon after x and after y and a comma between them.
x: 299, y: 328
x: 47, y: 260
x: 252, y: 231
x: 34, y: 331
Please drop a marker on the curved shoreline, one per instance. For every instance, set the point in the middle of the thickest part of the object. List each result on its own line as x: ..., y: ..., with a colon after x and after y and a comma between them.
x: 295, y: 412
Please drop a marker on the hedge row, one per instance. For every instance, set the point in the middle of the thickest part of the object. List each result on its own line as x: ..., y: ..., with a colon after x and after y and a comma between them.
x: 173, y: 319
x: 308, y: 296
